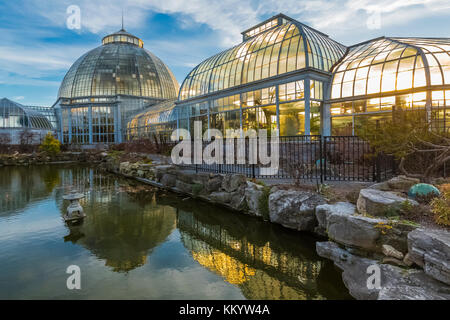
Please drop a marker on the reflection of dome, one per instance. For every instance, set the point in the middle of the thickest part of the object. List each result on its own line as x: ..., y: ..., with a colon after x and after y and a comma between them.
x: 121, y: 232
x: 121, y: 66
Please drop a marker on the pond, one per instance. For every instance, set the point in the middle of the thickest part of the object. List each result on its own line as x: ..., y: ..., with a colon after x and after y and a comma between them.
x: 142, y: 243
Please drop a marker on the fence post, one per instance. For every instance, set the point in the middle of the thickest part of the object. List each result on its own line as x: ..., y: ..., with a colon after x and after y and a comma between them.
x: 325, y: 158
x: 321, y: 158
x: 253, y: 171
x: 378, y: 168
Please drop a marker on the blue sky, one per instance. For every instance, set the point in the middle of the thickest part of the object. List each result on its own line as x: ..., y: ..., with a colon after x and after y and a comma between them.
x: 37, y: 48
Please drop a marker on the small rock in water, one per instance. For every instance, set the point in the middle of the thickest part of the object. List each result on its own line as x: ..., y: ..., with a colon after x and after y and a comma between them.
x: 390, y: 251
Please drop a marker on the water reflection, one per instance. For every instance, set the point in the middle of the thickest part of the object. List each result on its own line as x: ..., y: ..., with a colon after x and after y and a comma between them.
x: 265, y: 261
x: 140, y: 233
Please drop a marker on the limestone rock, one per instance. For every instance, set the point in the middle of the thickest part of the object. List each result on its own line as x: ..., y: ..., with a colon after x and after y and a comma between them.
x: 214, y: 184
x: 354, y: 230
x: 253, y: 193
x: 184, y: 187
x: 220, y: 197
x: 390, y: 251
x: 402, y: 183
x: 294, y: 209
x: 231, y: 182
x: 430, y: 249
x: 325, y: 210
x: 168, y: 180
x: 396, y: 283
x: 377, y: 203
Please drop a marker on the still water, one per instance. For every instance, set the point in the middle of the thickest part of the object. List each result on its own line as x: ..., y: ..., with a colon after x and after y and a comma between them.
x: 141, y: 243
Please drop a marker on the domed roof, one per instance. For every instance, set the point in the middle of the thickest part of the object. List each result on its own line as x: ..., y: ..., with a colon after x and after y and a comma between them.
x: 121, y: 66
x: 278, y: 49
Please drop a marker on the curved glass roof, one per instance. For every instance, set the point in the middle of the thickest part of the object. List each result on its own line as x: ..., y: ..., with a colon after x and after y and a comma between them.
x: 15, y: 115
x: 160, y: 113
x: 392, y: 64
x: 119, y: 66
x: 285, y: 48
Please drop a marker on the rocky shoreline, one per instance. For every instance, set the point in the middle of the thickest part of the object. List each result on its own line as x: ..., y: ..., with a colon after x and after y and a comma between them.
x: 414, y: 261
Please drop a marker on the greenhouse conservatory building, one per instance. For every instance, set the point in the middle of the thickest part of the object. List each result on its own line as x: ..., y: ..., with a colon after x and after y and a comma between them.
x: 106, y: 86
x: 288, y: 76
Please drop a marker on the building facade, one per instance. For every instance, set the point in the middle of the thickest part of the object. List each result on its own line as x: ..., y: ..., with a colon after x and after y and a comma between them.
x: 288, y: 76
x: 21, y: 124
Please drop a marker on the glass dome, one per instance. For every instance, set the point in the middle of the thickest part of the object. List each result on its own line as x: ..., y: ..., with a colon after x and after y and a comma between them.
x: 15, y: 115
x: 273, y: 51
x: 392, y: 64
x: 121, y: 66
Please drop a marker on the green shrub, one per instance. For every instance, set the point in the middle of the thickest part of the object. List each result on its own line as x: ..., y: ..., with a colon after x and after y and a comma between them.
x: 441, y: 209
x: 50, y: 145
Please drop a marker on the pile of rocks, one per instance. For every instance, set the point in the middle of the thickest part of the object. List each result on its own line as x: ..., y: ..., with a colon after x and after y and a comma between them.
x: 414, y: 261
x: 23, y: 159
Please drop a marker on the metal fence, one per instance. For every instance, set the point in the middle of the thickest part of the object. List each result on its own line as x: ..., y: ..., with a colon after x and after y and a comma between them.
x: 313, y: 158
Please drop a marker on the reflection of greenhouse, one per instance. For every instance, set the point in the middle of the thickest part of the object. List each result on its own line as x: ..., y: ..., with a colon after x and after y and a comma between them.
x: 262, y: 270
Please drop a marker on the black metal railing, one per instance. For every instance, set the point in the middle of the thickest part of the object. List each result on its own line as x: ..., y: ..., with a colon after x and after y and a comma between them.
x: 313, y: 158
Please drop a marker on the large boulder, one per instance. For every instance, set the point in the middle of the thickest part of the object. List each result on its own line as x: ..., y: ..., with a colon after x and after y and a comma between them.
x: 184, y: 187
x: 294, y: 209
x: 220, y: 197
x: 232, y: 182
x: 401, y: 183
x: 168, y: 180
x: 325, y: 210
x: 395, y: 282
x: 378, y: 203
x: 253, y: 194
x: 430, y: 249
x: 214, y: 183
x: 354, y: 230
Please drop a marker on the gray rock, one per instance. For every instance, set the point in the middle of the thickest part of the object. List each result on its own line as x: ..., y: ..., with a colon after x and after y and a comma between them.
x: 294, y: 209
x: 220, y: 197
x: 214, y: 184
x: 396, y: 283
x: 237, y: 200
x: 354, y: 230
x: 325, y: 210
x: 168, y: 180
x: 430, y: 249
x: 232, y: 182
x: 402, y: 183
x: 161, y: 170
x: 377, y: 203
x: 184, y: 187
x: 253, y: 193
x: 390, y: 251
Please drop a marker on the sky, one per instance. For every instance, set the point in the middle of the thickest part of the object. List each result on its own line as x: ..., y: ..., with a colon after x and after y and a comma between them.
x: 40, y: 39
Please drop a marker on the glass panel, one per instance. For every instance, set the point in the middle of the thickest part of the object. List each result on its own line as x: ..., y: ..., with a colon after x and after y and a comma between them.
x: 292, y: 118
